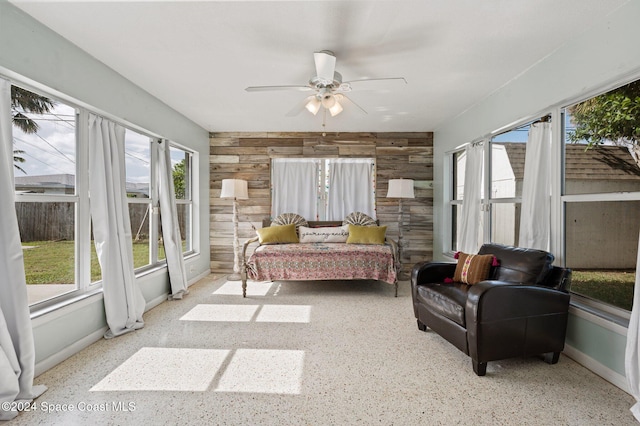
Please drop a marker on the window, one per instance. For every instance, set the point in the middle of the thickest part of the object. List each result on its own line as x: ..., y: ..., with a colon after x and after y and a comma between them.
x: 45, y: 167
x: 595, y: 200
x: 182, y: 163
x: 601, y: 195
x: 458, y: 162
x: 137, y: 151
x: 504, y: 171
x: 323, y: 189
x: 507, y: 172
x: 52, y: 198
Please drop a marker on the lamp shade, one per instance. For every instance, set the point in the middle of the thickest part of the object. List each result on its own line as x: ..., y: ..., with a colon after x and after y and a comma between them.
x: 400, y: 188
x: 313, y: 105
x: 234, y: 188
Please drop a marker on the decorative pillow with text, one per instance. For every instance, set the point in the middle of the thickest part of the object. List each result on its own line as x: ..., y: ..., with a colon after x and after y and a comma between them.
x: 333, y: 234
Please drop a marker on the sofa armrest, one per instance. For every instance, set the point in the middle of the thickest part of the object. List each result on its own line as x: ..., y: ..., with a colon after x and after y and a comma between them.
x: 489, y: 301
x: 430, y: 272
x: 506, y: 319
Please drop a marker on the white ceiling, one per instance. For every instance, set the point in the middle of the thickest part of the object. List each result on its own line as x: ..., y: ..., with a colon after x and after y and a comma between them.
x: 198, y: 56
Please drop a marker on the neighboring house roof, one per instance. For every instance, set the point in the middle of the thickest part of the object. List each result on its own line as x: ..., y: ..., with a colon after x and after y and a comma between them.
x: 69, y: 181
x: 48, y: 181
x: 605, y: 162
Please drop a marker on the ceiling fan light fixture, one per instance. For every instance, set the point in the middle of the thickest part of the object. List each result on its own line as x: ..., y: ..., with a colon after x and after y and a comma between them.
x: 335, y: 109
x: 313, y: 106
x: 328, y: 100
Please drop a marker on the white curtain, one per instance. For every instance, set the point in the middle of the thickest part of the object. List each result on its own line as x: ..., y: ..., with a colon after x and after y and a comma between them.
x: 469, y: 235
x: 170, y: 226
x: 294, y: 186
x: 123, y: 300
x: 351, y: 187
x: 17, y: 352
x: 632, y: 353
x: 535, y: 218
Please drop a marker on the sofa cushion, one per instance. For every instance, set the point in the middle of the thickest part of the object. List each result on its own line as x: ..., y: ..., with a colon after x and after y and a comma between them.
x: 447, y: 300
x: 472, y: 268
x: 519, y: 265
x: 366, y: 234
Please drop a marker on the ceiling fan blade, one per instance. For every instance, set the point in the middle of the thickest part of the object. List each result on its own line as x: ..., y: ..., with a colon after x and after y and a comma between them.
x: 378, y: 82
x: 343, y: 97
x: 272, y: 88
x: 325, y: 65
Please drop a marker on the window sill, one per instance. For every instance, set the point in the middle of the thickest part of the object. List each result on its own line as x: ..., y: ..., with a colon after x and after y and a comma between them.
x: 609, y: 317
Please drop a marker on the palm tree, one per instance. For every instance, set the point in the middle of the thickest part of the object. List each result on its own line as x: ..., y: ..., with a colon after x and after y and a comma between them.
x: 18, y: 159
x: 22, y: 102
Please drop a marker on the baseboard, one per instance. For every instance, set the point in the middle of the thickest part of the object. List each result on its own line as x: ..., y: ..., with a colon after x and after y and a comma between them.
x: 197, y: 278
x: 155, y: 302
x: 69, y: 351
x: 606, y: 373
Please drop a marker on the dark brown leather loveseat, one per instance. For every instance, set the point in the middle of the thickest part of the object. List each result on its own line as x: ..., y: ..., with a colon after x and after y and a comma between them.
x: 521, y: 310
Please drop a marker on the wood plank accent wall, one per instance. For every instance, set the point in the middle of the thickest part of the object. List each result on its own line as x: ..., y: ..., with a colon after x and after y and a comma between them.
x: 248, y: 156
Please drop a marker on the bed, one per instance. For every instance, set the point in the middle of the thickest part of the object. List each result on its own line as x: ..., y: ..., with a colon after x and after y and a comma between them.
x: 320, y: 261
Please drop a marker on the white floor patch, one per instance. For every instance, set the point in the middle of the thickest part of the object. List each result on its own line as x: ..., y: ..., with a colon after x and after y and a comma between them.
x: 165, y: 369
x: 285, y: 313
x: 254, y: 288
x: 263, y: 371
x: 233, y: 313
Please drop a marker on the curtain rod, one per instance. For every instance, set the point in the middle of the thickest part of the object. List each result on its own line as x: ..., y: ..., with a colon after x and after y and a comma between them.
x: 545, y: 119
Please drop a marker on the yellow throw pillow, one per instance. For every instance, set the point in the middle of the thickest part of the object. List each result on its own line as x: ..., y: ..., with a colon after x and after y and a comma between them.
x: 472, y: 268
x: 281, y: 234
x: 366, y: 234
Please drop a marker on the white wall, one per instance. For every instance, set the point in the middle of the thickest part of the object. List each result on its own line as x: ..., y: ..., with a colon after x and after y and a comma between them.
x: 33, y: 54
x: 592, y: 61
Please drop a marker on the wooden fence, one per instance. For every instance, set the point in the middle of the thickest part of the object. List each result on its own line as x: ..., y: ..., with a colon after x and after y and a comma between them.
x: 56, y: 221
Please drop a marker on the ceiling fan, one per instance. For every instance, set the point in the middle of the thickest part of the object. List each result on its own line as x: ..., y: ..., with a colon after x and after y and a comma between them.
x: 328, y: 87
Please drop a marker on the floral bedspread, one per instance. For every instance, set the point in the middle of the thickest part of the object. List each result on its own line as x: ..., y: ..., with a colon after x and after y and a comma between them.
x: 322, y: 261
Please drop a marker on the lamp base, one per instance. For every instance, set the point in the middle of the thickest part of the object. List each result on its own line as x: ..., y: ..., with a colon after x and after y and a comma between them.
x: 234, y: 277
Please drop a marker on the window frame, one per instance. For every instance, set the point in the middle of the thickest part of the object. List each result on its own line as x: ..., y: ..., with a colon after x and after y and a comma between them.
x: 82, y: 218
x: 559, y: 200
x: 613, y: 313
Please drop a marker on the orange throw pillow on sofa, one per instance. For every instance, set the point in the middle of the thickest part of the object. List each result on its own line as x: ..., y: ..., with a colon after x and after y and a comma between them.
x: 472, y: 268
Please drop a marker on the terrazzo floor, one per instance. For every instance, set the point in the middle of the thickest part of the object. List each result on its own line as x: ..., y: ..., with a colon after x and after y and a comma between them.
x: 308, y: 353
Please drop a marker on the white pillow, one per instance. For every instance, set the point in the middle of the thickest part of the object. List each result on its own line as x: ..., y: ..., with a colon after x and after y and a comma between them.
x: 332, y: 234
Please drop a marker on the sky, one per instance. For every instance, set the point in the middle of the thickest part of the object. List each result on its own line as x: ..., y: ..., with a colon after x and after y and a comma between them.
x: 52, y: 150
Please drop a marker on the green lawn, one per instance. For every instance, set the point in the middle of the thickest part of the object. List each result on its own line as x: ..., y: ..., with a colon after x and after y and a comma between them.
x: 612, y: 287
x: 52, y: 262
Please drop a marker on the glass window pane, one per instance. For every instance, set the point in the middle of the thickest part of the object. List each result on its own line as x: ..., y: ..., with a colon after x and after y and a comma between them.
x: 47, y: 231
x: 44, y: 144
x: 181, y: 163
x: 139, y: 218
x: 602, y: 154
x: 455, y: 225
x: 507, y: 169
x: 137, y: 156
x: 459, y: 161
x: 161, y: 255
x: 602, y: 249
x: 505, y: 223
x: 184, y: 219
